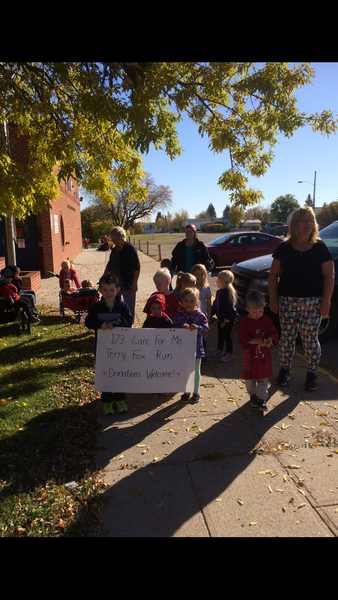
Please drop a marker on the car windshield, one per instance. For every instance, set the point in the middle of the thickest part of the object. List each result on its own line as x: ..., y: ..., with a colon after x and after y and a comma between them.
x: 221, y: 240
x: 329, y: 235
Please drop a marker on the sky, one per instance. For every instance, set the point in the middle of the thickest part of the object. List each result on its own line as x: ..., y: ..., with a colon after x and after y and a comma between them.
x: 193, y: 176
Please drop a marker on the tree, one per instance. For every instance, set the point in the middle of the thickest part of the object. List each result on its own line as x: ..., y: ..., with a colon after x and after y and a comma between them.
x: 211, y: 211
x: 126, y: 209
x: 309, y: 201
x: 235, y: 215
x: 258, y: 212
x: 281, y: 207
x: 96, y: 120
x: 328, y: 213
x: 178, y: 222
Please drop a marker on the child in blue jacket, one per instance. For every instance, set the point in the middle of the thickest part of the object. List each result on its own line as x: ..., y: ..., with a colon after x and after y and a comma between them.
x: 224, y: 307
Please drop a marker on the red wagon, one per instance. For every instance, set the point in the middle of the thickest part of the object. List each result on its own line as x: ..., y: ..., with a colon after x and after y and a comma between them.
x: 78, y: 302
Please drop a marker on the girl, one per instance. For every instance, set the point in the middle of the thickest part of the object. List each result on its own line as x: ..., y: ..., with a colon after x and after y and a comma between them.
x: 224, y: 307
x: 183, y: 281
x: 68, y: 273
x: 201, y: 274
x: 68, y: 286
x: 190, y: 317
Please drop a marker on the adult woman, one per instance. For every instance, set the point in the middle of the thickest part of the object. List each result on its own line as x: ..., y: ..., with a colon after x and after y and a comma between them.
x: 189, y: 252
x: 125, y: 264
x: 305, y: 270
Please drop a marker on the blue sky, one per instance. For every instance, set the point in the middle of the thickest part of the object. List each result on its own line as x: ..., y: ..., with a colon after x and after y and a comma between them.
x: 193, y: 176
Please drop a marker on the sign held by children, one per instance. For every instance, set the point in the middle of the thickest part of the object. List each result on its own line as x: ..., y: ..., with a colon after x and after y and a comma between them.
x: 145, y: 360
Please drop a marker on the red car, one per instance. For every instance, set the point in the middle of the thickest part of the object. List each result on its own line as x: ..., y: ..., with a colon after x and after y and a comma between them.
x: 235, y: 247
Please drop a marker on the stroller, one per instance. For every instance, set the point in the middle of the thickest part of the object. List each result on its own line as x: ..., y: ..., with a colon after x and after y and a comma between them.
x: 9, y: 314
x: 78, y: 302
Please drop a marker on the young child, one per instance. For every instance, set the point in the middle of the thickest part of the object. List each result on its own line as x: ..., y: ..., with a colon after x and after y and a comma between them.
x: 86, y: 284
x: 256, y: 335
x: 109, y: 312
x: 68, y: 287
x: 224, y: 307
x: 201, y: 274
x: 162, y: 282
x: 183, y: 281
x: 27, y: 295
x: 190, y: 317
x: 157, y: 318
x: 10, y: 293
x: 68, y: 273
x: 166, y: 263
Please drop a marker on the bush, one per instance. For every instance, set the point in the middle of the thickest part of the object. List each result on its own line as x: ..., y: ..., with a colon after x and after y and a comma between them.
x: 214, y: 228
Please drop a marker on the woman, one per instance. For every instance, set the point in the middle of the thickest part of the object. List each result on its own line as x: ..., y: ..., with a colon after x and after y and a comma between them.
x: 124, y: 263
x: 189, y: 252
x: 305, y: 270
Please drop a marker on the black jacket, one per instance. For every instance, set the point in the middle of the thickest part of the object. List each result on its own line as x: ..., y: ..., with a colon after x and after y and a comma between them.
x: 152, y: 322
x: 129, y: 262
x: 99, y: 313
x: 200, y: 253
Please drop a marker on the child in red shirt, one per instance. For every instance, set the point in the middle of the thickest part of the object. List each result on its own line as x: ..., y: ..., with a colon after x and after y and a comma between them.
x: 162, y: 281
x: 257, y: 334
x: 10, y: 293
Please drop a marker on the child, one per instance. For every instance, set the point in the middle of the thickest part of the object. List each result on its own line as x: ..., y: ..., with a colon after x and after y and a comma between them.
x: 108, y: 313
x: 68, y: 273
x: 10, y: 293
x: 184, y: 280
x: 190, y: 317
x: 86, y: 284
x: 256, y: 335
x: 27, y: 295
x: 162, y: 282
x: 157, y: 318
x: 166, y: 263
x: 68, y: 287
x: 224, y: 307
x: 201, y: 274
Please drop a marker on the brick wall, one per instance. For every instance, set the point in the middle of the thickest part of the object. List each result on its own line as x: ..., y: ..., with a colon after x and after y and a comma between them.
x: 31, y: 280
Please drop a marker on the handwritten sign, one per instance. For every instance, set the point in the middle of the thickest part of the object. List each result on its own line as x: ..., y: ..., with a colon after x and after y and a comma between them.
x: 145, y: 360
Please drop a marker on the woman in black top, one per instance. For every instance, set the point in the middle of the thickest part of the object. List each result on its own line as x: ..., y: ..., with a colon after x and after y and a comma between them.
x: 189, y: 252
x: 300, y: 287
x: 124, y: 263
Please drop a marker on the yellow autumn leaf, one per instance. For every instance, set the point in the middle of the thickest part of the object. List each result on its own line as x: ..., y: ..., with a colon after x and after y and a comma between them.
x: 270, y: 489
x: 254, y: 523
x: 294, y: 467
x: 240, y: 501
x: 301, y: 492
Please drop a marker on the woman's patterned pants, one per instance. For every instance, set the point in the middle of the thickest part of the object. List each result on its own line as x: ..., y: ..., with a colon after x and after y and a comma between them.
x: 299, y: 315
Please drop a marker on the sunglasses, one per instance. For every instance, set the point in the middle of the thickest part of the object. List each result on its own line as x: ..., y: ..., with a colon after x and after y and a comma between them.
x: 8, y: 276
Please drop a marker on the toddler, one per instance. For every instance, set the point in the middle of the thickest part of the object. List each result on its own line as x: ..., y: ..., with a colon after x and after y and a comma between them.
x: 157, y: 318
x: 190, y: 317
x: 256, y: 335
x: 67, y: 272
x: 108, y: 313
x: 224, y: 307
x: 87, y: 284
x: 68, y: 287
x: 183, y: 281
x: 162, y: 282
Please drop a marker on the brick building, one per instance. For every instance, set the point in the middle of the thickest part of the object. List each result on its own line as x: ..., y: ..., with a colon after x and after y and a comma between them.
x: 43, y: 241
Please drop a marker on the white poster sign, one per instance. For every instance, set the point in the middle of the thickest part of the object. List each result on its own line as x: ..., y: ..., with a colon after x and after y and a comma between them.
x: 145, y: 360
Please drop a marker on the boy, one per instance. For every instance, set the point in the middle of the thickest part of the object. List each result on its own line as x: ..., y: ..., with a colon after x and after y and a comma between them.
x: 257, y: 334
x: 10, y: 293
x: 162, y: 282
x: 109, y: 312
x: 157, y: 318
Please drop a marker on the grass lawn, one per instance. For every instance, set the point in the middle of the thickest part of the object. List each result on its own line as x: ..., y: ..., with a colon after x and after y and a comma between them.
x: 48, y: 425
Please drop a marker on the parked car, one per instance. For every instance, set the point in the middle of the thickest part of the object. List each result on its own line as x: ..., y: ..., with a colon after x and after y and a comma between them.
x: 235, y: 247
x: 275, y: 229
x: 254, y: 274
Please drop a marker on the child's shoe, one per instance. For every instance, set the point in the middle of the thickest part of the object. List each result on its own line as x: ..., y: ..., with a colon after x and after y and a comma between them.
x: 108, y: 408
x: 262, y: 405
x: 196, y: 397
x: 185, y: 397
x: 217, y: 353
x: 227, y: 356
x: 121, y: 406
x: 283, y: 376
x: 33, y: 319
x: 254, y: 401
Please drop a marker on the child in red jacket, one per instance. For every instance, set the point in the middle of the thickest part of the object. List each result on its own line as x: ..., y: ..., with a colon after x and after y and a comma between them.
x: 10, y: 293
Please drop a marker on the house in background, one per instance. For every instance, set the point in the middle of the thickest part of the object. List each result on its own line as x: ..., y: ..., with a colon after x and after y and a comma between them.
x: 43, y: 241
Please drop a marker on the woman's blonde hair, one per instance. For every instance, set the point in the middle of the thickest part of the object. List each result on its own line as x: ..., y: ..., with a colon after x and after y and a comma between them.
x: 205, y: 274
x: 186, y: 279
x: 298, y: 215
x: 194, y: 292
x: 228, y: 277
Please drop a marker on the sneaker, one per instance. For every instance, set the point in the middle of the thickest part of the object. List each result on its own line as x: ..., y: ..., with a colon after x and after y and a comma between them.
x: 217, y: 353
x: 283, y: 376
x: 33, y: 319
x: 185, y: 397
x: 121, y: 406
x: 310, y: 382
x: 196, y: 397
x: 227, y: 356
x: 262, y: 405
x: 108, y: 408
x: 254, y: 401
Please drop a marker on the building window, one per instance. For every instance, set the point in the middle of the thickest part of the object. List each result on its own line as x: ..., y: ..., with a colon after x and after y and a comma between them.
x: 62, y: 230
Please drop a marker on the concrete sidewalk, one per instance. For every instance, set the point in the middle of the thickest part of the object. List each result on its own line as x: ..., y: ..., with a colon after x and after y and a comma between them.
x: 218, y: 468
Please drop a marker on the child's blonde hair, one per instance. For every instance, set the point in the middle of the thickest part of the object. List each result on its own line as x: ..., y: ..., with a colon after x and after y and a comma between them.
x: 65, y: 263
x: 162, y: 274
x: 194, y: 292
x: 86, y: 283
x: 205, y: 275
x: 228, y: 277
x: 186, y: 279
x: 68, y: 283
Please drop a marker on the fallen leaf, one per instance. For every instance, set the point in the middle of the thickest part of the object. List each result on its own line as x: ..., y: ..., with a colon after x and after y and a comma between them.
x: 240, y: 501
x: 254, y: 523
x: 301, y: 505
x: 293, y: 467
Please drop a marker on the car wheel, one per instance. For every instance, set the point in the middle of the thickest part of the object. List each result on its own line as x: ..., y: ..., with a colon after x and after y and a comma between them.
x: 329, y: 326
x: 213, y: 262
